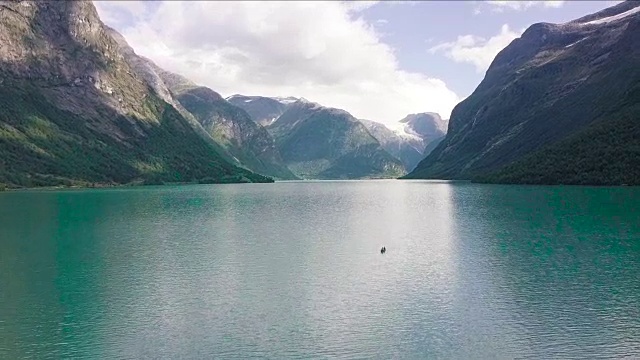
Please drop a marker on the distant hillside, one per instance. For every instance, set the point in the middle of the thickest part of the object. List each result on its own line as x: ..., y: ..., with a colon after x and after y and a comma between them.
x: 263, y: 110
x: 230, y: 126
x: 410, y: 138
x: 326, y: 143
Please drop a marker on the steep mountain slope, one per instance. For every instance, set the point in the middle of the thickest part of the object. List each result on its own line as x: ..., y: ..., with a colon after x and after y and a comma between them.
x: 229, y: 126
x: 432, y: 146
x: 326, y: 143
x: 155, y: 77
x: 552, y: 107
x: 263, y: 110
x: 73, y: 111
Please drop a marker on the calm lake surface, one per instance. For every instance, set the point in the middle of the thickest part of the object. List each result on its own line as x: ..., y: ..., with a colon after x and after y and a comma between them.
x: 294, y: 270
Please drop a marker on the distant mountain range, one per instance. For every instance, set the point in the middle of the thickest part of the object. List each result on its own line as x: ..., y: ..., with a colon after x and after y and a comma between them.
x: 231, y: 127
x: 263, y: 110
x: 327, y: 143
x: 559, y: 105
x: 78, y: 107
x: 411, y: 136
x: 406, y: 142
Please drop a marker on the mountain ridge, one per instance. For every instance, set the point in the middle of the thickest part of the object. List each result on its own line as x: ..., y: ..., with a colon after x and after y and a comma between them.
x: 320, y: 142
x: 73, y: 111
x: 552, y: 83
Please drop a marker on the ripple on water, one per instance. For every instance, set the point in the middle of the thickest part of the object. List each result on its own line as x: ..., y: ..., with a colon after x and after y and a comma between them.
x: 293, y: 270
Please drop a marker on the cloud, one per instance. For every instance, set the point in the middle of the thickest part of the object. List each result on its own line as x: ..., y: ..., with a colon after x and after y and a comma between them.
x: 499, y: 6
x: 476, y: 50
x: 359, y: 5
x: 323, y: 51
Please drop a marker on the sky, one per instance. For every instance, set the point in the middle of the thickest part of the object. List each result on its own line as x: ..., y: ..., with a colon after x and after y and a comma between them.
x: 379, y: 60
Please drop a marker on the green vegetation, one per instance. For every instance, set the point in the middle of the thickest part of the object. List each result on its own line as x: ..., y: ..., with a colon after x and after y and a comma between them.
x: 232, y: 128
x: 330, y: 144
x: 606, y: 153
x: 550, y: 114
x: 42, y: 145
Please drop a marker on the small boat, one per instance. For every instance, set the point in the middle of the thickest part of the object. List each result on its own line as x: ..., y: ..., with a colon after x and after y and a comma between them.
x: 383, y: 250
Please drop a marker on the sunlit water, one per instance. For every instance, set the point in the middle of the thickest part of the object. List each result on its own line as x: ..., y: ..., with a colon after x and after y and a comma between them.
x: 294, y: 270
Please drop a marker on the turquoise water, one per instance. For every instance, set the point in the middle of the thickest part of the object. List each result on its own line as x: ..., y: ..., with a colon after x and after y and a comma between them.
x: 294, y: 270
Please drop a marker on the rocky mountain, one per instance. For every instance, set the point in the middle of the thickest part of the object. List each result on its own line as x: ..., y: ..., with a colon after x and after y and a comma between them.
x: 263, y: 110
x: 409, y: 139
x: 326, y: 143
x: 400, y: 147
x: 74, y: 111
x: 406, y: 142
x: 160, y: 80
x: 559, y: 105
x: 422, y: 128
x: 230, y: 126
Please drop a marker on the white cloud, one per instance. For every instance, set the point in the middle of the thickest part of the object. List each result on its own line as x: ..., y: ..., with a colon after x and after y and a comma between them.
x: 120, y: 13
x: 359, y: 5
x: 322, y: 51
x: 500, y: 6
x: 476, y: 50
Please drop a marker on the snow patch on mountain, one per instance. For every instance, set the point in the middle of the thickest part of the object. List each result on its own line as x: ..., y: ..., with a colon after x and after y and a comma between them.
x: 614, y: 17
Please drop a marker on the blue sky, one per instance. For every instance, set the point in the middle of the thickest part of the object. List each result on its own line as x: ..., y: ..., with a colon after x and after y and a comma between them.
x: 413, y: 29
x: 377, y: 60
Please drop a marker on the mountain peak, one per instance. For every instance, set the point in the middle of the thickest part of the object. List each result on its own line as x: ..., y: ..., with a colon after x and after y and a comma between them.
x: 424, y: 124
x: 550, y: 107
x: 105, y: 121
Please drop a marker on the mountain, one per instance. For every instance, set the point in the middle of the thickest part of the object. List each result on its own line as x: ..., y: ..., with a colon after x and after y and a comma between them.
x: 263, y: 110
x: 160, y: 80
x: 74, y: 111
x: 409, y: 139
x: 423, y: 128
x: 432, y: 146
x: 559, y: 105
x: 326, y: 143
x: 243, y: 143
x: 230, y: 126
x: 400, y: 147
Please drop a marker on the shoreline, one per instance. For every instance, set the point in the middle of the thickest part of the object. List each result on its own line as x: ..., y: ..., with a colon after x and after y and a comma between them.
x: 113, y: 186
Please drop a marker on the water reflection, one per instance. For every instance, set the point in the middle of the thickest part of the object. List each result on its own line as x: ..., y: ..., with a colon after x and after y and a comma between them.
x: 294, y: 270
x: 562, y: 262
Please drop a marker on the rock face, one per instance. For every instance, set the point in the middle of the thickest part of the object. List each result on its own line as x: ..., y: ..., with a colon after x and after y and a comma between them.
x: 326, y: 143
x: 263, y: 110
x: 230, y: 126
x: 74, y: 111
x: 160, y: 80
x: 422, y: 129
x: 410, y: 138
x: 558, y: 105
x: 402, y: 148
